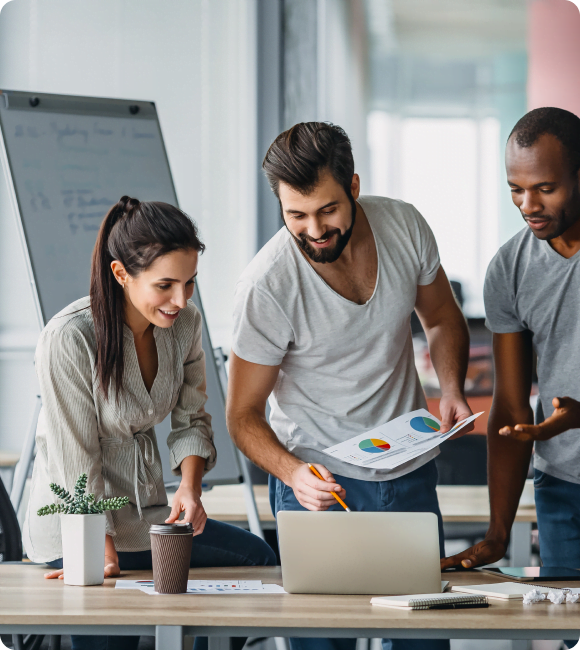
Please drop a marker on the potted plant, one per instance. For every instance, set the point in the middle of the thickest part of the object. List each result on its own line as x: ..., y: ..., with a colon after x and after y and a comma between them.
x: 82, y: 525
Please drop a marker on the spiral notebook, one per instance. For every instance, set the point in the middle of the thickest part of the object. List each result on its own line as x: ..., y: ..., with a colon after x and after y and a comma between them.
x: 431, y: 601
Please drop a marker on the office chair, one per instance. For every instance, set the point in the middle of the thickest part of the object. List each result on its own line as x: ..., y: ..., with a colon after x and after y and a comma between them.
x: 10, y: 538
x: 11, y: 551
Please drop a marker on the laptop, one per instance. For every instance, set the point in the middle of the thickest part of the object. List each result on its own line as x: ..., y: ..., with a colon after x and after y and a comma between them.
x: 387, y: 553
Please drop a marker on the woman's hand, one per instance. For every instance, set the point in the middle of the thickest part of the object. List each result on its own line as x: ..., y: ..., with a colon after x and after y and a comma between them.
x: 111, y: 562
x: 188, y: 500
x: 188, y: 496
x: 566, y: 416
x: 51, y: 575
x: 111, y: 570
x: 112, y: 566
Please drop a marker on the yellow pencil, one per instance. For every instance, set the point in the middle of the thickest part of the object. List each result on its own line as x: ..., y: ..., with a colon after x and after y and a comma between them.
x: 334, y: 494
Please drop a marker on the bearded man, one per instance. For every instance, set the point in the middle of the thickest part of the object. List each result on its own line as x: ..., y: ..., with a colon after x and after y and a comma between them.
x: 322, y: 327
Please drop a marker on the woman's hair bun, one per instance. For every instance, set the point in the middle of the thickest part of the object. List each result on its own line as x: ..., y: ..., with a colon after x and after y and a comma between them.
x: 127, y: 204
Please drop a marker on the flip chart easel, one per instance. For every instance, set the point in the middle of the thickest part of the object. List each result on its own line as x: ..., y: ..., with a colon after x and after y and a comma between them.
x: 66, y: 160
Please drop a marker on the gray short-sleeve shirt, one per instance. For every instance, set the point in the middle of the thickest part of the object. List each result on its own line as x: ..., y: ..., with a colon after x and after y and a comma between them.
x: 345, y: 368
x: 529, y: 286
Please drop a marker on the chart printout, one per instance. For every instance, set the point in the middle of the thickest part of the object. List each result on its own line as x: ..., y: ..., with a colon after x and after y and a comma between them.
x: 395, y: 442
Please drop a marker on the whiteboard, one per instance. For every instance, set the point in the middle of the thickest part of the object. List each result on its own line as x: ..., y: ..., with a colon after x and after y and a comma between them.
x: 69, y: 159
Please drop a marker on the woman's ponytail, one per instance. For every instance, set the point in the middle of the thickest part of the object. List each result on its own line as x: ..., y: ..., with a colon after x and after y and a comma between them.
x: 136, y: 234
x: 107, y: 302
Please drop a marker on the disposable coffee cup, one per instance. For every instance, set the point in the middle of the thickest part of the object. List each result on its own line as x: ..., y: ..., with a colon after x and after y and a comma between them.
x: 171, y: 552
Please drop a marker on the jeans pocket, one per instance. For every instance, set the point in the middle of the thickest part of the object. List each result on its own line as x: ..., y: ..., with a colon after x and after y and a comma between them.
x: 285, y: 498
x: 540, y: 478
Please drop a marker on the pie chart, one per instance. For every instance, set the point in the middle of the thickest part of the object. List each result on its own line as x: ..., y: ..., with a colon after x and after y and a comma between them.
x: 374, y: 445
x: 424, y: 425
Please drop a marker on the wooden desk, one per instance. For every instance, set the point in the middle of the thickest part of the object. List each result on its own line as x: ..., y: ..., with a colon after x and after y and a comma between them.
x: 459, y: 504
x: 31, y: 605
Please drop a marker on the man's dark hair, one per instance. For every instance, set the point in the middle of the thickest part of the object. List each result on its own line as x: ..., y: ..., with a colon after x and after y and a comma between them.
x: 298, y: 156
x: 555, y: 121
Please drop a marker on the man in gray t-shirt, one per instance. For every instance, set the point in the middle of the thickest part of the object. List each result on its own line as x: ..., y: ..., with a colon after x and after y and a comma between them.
x: 322, y: 326
x: 532, y: 303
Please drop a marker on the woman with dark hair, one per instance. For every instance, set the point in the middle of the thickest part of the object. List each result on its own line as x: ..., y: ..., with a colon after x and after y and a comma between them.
x: 113, y: 365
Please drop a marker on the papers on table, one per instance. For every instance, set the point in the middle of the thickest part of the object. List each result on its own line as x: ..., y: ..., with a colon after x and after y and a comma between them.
x: 395, y: 442
x: 208, y: 587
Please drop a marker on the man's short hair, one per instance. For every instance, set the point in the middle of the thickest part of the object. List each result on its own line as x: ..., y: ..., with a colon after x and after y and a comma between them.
x: 299, y: 155
x: 558, y: 122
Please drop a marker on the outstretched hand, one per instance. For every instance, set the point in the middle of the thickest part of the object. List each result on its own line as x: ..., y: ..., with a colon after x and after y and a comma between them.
x: 566, y: 416
x: 485, y: 552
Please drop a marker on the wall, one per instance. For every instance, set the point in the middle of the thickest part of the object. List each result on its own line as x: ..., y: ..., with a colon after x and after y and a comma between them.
x: 196, y: 60
x: 554, y: 55
x: 317, y: 72
x: 343, y: 75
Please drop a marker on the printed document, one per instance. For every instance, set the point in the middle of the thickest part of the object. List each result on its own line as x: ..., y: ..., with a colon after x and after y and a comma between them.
x: 395, y: 442
x: 208, y: 587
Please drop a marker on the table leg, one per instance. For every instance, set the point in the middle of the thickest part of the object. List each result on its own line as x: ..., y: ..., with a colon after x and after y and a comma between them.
x: 219, y: 643
x: 168, y: 637
x: 521, y: 544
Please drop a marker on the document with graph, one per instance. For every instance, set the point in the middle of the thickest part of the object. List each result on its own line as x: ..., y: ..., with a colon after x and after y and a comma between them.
x: 395, y: 442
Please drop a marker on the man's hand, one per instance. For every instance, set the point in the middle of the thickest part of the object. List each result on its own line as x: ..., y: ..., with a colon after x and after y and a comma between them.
x: 311, y: 492
x: 566, y: 416
x: 486, y: 552
x: 454, y: 409
x: 188, y: 500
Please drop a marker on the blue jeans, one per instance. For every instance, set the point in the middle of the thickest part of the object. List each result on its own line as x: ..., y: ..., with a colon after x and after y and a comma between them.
x: 414, y: 492
x: 219, y: 545
x: 558, y: 510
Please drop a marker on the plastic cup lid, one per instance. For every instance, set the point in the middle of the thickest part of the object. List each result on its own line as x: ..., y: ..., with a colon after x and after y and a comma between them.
x: 171, y: 529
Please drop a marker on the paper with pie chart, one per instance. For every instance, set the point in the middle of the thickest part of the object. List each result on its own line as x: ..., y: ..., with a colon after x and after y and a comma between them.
x: 395, y: 442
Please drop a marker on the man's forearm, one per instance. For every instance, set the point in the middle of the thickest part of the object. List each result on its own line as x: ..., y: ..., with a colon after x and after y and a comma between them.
x: 508, y: 462
x: 449, y: 349
x: 256, y: 440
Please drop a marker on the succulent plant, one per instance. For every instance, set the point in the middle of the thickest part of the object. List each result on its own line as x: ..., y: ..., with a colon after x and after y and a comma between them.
x: 80, y: 503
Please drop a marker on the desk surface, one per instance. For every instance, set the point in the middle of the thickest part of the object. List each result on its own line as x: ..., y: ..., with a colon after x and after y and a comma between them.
x: 26, y: 598
x: 459, y: 503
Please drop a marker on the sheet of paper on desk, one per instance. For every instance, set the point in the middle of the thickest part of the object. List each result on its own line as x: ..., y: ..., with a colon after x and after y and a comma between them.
x: 208, y: 587
x: 395, y: 442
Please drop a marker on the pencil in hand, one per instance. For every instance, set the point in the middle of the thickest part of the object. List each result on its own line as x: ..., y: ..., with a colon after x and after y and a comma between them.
x: 334, y: 494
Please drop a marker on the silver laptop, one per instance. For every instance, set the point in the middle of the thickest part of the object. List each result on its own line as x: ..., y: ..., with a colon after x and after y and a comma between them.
x: 359, y: 552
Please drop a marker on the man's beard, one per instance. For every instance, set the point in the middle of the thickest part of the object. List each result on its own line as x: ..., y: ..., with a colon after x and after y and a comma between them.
x: 330, y: 254
x: 561, y: 222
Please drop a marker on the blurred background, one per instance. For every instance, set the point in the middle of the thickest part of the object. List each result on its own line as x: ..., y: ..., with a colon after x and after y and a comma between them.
x: 428, y: 91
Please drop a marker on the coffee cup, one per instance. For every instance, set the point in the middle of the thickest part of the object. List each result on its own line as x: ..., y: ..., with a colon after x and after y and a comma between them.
x: 171, y: 553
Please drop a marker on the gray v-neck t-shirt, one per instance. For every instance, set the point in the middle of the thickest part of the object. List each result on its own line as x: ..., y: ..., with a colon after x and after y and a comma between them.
x: 529, y: 286
x: 345, y: 368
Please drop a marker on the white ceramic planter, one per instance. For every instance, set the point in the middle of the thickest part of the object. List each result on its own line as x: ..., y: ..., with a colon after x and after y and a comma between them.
x: 83, y: 549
